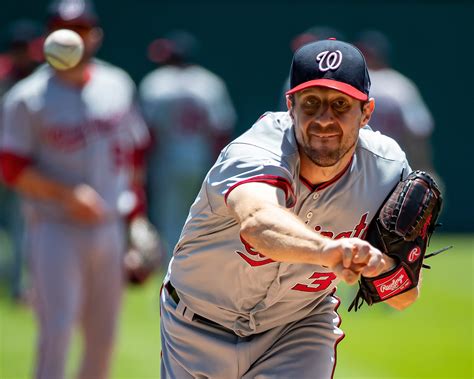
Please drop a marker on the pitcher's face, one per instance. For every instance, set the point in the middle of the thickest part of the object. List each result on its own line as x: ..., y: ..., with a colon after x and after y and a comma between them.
x: 327, y: 123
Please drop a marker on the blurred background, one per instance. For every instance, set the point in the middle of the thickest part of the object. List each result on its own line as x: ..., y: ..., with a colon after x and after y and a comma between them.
x: 249, y: 45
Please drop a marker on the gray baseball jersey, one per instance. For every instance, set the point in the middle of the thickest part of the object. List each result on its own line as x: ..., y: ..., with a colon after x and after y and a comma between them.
x: 219, y: 276
x: 250, y: 293
x: 75, y: 135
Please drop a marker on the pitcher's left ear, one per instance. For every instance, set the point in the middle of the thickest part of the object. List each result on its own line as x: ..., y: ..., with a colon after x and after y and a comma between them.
x: 290, y: 105
x: 367, y: 110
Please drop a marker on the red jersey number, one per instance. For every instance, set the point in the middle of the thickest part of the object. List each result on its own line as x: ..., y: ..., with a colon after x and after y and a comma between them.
x: 322, y: 280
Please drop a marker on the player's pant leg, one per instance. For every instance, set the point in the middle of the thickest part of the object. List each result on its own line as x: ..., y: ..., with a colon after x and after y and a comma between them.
x: 102, y: 300
x: 56, y: 281
x: 18, y: 250
x: 170, y: 367
x: 12, y: 221
x: 153, y: 189
x: 304, y: 349
x: 172, y: 219
x: 194, y: 350
x: 177, y: 196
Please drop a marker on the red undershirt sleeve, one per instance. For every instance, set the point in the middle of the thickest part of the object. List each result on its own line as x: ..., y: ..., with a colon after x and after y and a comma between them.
x: 11, y: 166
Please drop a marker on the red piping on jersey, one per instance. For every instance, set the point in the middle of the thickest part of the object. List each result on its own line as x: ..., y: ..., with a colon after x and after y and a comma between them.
x: 139, y: 155
x: 321, y: 186
x: 12, y: 165
x: 273, y: 180
x: 338, y: 325
x: 307, y: 183
x: 86, y: 76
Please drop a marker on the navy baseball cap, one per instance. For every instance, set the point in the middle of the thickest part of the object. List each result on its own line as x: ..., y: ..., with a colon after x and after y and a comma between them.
x: 331, y: 64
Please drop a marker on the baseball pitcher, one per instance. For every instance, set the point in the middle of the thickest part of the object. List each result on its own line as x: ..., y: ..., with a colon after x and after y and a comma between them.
x: 278, y: 223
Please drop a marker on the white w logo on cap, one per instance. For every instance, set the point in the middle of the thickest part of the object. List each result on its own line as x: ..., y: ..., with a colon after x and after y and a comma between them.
x: 329, y: 60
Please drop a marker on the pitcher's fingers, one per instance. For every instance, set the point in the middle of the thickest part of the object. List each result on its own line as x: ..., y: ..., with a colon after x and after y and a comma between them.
x: 375, y: 269
x: 362, y: 255
x: 349, y: 276
x: 345, y: 274
x: 357, y: 267
x: 347, y: 253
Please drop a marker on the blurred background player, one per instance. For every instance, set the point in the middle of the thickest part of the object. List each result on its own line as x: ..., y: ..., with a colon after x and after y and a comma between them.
x: 315, y: 33
x: 400, y: 111
x: 191, y: 117
x: 21, y: 52
x: 71, y: 143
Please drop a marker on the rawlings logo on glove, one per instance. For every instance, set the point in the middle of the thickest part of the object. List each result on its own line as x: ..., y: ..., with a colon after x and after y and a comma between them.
x: 402, y: 231
x: 394, y: 284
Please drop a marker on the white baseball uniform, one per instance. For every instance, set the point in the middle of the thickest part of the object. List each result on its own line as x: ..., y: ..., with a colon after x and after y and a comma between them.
x: 241, y: 314
x: 401, y: 113
x: 187, y: 107
x: 75, y: 135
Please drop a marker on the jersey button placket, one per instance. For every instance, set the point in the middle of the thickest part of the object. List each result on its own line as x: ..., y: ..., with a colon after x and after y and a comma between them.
x: 309, y: 215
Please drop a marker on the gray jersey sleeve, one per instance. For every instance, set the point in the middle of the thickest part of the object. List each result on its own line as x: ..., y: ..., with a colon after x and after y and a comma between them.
x: 242, y: 163
x: 384, y: 146
x: 17, y: 129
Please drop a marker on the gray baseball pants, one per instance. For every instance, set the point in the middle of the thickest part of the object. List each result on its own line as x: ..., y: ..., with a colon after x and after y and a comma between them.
x: 197, y: 349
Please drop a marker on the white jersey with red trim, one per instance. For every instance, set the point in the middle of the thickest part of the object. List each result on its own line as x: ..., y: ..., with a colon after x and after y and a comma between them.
x: 186, y: 106
x: 75, y: 134
x: 190, y: 112
x: 220, y: 276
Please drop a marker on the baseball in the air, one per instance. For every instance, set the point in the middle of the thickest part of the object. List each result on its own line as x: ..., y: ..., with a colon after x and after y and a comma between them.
x: 63, y: 49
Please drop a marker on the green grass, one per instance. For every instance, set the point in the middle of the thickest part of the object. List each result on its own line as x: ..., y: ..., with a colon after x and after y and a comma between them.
x: 137, y: 353
x: 431, y: 339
